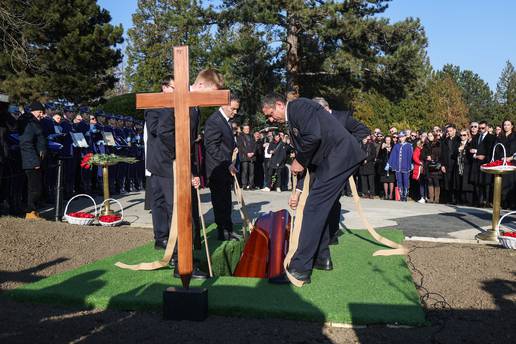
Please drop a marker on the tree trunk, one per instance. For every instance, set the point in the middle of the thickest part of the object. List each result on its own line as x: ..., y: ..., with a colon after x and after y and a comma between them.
x: 292, y: 57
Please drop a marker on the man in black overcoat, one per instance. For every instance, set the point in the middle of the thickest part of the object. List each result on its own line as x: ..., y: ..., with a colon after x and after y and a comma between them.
x: 219, y: 143
x: 33, y: 148
x: 449, y: 150
x: 484, y: 149
x: 246, y: 154
x: 328, y: 151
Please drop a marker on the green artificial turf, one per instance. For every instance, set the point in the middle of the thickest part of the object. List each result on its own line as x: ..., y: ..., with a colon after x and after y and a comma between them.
x: 362, y: 289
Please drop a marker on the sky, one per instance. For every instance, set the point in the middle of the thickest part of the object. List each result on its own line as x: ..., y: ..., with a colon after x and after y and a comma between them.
x: 473, y: 34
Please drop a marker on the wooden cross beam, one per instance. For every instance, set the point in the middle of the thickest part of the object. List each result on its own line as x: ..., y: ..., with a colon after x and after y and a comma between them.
x: 181, y: 100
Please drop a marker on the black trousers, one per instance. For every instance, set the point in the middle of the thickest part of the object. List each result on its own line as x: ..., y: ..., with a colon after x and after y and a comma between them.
x: 334, y: 218
x: 220, y: 187
x: 34, y: 188
x: 314, y: 236
x: 247, y: 173
x: 162, y: 200
x: 367, y: 184
x: 196, y: 221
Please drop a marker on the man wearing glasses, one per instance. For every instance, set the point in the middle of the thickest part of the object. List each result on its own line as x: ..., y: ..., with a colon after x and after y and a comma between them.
x: 484, y: 143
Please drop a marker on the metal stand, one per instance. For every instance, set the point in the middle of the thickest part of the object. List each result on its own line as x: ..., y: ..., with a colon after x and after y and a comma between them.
x: 105, y: 183
x: 490, y: 234
x: 59, y: 190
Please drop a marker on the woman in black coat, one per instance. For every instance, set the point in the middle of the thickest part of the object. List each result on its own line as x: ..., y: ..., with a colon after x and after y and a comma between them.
x: 432, y: 154
x: 508, y: 139
x: 387, y: 178
x: 366, y: 171
x: 463, y: 188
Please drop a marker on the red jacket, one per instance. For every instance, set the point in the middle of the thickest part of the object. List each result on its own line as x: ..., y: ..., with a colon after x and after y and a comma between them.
x: 418, y: 164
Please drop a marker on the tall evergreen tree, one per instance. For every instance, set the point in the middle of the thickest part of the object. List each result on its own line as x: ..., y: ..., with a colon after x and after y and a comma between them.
x: 506, y: 94
x: 336, y: 48
x: 158, y: 26
x: 506, y: 86
x: 71, y: 52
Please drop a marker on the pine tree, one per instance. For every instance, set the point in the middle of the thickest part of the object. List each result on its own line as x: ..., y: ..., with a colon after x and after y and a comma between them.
x: 158, y: 26
x: 72, y: 52
x: 335, y: 48
x: 506, y: 86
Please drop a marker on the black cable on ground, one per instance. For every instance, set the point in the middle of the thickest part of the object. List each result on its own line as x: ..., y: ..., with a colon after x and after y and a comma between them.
x: 430, y: 300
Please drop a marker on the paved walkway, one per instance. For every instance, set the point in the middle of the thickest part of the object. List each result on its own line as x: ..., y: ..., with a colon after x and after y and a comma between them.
x: 417, y: 221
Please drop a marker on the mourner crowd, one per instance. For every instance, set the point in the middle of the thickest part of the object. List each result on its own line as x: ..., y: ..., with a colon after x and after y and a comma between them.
x: 441, y: 165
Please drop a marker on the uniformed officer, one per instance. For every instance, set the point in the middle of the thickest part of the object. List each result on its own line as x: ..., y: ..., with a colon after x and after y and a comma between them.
x: 331, y: 153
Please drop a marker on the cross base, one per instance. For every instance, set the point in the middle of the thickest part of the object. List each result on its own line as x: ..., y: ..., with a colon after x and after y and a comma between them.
x: 185, y: 304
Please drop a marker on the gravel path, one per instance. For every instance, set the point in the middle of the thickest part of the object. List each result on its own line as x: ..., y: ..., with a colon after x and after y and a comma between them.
x: 469, y: 292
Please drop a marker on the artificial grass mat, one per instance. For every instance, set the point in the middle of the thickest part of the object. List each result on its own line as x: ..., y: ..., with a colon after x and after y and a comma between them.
x: 361, y: 289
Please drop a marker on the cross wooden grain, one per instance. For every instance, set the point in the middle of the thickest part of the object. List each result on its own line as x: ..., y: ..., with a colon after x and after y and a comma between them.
x: 181, y: 100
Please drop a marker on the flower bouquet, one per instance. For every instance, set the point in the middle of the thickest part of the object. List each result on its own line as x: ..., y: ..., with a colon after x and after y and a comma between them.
x: 80, y: 217
x: 91, y: 159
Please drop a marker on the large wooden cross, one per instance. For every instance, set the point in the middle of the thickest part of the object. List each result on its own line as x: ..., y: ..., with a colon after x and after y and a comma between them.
x: 181, y: 100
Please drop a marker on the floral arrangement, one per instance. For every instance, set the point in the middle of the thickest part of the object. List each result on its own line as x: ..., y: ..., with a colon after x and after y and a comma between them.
x: 91, y: 159
x: 496, y: 163
x: 110, y: 218
x: 508, y: 234
x: 81, y: 215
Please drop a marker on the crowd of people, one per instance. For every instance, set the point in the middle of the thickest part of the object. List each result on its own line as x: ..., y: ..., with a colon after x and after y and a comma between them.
x: 441, y: 165
x: 38, y: 139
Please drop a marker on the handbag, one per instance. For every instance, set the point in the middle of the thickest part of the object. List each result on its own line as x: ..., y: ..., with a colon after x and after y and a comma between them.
x: 434, y: 166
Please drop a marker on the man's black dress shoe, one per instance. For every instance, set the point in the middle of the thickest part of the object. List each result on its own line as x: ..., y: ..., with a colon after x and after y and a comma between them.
x: 160, y: 244
x: 334, y: 240
x: 323, y: 264
x: 283, y: 279
x: 196, y: 274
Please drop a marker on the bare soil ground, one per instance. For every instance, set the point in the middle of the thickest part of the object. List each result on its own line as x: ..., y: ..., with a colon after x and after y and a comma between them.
x: 468, y: 291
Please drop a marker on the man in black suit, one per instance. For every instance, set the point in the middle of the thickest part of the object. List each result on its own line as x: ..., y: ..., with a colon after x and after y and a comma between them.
x: 359, y: 131
x: 219, y: 144
x: 328, y: 151
x: 449, y: 150
x: 159, y: 159
x: 161, y: 153
x: 484, y: 149
x: 246, y: 154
